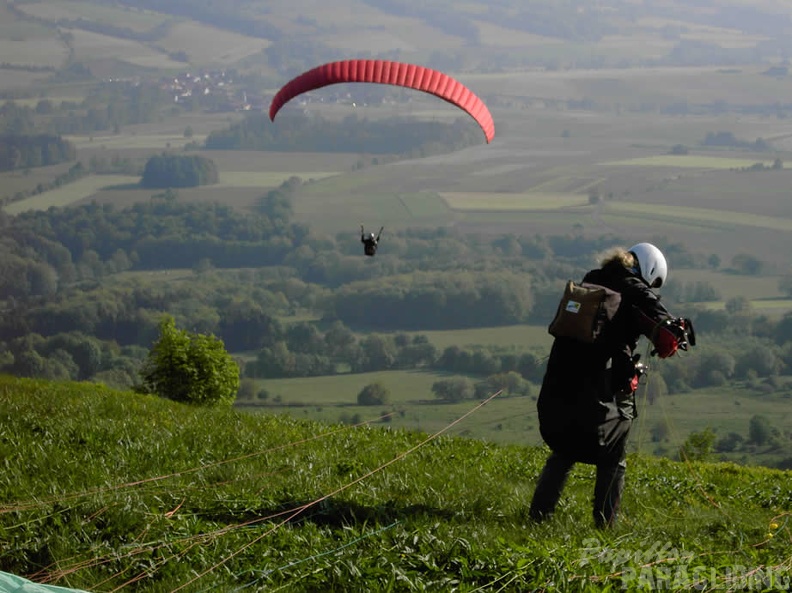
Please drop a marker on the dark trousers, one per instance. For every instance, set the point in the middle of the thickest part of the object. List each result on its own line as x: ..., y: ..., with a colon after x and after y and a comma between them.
x: 611, y: 467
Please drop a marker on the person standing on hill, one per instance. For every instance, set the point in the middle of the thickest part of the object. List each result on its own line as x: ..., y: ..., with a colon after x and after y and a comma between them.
x: 587, y: 401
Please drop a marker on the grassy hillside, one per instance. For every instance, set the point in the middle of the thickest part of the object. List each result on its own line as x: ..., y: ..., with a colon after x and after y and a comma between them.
x: 106, y: 490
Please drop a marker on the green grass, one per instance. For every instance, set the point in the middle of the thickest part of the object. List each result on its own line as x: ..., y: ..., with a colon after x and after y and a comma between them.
x: 702, y: 216
x: 266, y: 178
x: 137, y: 20
x: 530, y: 201
x: 103, y: 490
x: 89, y: 46
x: 126, y: 141
x: 520, y: 336
x: 342, y: 390
x: 690, y: 162
x: 12, y: 182
x: 513, y: 420
x: 424, y: 205
x: 71, y: 193
x: 226, y: 47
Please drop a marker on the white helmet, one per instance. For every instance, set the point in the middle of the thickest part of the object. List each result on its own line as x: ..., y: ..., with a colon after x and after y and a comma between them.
x: 652, y: 266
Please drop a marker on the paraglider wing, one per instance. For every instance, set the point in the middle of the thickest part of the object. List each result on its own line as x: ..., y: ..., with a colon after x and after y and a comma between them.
x: 387, y: 72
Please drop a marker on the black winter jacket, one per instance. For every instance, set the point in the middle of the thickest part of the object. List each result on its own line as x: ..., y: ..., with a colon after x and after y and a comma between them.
x: 588, y: 385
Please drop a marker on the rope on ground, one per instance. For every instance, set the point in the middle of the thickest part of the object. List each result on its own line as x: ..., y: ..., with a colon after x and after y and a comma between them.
x: 265, y: 573
x: 338, y: 490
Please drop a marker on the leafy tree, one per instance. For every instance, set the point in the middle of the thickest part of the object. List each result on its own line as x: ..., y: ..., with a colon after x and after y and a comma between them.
x: 373, y: 394
x: 247, y: 390
x: 731, y: 442
x: 738, y: 304
x: 698, y: 446
x: 759, y: 430
x: 377, y: 352
x: 190, y: 368
x: 785, y: 285
x: 20, y: 151
x: 713, y: 364
x: 759, y: 358
x: 660, y: 431
x: 749, y: 265
x: 169, y: 170
x: 453, y: 390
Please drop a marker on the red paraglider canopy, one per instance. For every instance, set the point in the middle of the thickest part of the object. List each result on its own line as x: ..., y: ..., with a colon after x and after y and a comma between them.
x: 387, y: 72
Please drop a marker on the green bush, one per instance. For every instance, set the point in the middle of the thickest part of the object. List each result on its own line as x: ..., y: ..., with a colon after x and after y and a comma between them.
x: 190, y: 368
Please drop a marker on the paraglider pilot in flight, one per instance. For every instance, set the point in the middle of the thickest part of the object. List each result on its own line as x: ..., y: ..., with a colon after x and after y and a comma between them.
x: 370, y: 242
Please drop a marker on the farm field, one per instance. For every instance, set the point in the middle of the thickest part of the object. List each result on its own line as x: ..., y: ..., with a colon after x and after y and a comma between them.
x: 509, y: 420
x: 690, y: 162
x: 520, y: 336
x: 210, y: 46
x: 90, y: 46
x: 481, y: 201
x: 134, y: 141
x: 52, y: 10
x: 70, y: 194
x: 12, y: 182
x: 264, y: 179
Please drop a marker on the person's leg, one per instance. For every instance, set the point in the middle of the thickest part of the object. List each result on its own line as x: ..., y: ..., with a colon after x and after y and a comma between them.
x: 548, y: 488
x: 608, y: 491
x: 611, y: 468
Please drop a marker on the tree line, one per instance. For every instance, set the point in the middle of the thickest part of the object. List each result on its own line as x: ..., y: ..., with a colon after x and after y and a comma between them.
x: 59, y: 275
x: 108, y: 106
x: 19, y: 151
x: 301, y: 134
x: 177, y: 170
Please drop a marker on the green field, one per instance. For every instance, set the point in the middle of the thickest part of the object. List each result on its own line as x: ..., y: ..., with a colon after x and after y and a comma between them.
x: 698, y: 216
x: 469, y: 201
x: 71, y: 193
x: 520, y: 336
x: 509, y: 419
x: 49, y: 10
x: 12, y: 182
x: 89, y: 46
x: 690, y: 162
x: 133, y: 141
x: 225, y: 48
x: 266, y: 179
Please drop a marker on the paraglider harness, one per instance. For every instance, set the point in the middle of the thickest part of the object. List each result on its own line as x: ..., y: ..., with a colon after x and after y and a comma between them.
x: 370, y: 242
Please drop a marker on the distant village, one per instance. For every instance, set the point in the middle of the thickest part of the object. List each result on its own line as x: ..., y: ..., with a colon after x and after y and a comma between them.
x: 216, y: 83
x: 229, y: 96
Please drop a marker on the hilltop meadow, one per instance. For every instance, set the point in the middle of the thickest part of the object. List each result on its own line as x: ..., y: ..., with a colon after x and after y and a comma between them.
x: 616, y: 122
x: 106, y: 490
